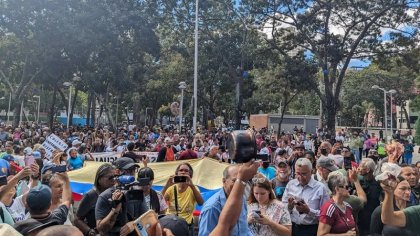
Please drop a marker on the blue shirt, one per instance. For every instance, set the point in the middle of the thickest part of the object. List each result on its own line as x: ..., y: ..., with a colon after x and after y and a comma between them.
x: 269, y: 173
x: 4, y: 167
x: 210, y: 213
x: 75, y: 163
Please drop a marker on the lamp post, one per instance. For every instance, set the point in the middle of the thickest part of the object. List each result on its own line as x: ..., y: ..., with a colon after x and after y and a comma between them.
x: 145, y: 120
x: 70, y: 85
x: 392, y: 91
x: 195, y: 67
x: 182, y: 86
x: 39, y: 104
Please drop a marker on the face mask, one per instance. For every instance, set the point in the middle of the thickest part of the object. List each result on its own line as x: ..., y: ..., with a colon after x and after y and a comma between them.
x: 282, y: 175
x: 324, y: 152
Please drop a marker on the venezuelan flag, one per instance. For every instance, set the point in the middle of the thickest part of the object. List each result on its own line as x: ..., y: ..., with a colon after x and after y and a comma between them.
x: 208, y: 175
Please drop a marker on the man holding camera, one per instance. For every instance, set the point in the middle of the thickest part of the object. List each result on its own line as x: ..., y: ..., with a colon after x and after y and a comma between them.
x: 116, y: 209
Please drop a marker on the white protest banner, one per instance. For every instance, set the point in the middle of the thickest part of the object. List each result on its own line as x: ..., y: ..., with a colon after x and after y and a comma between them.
x: 152, y: 156
x: 52, y: 143
x: 105, y: 156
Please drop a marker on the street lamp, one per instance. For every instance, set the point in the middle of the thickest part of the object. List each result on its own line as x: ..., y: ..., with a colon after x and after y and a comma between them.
x: 70, y: 85
x: 392, y: 91
x: 39, y: 103
x: 182, y: 86
x: 195, y: 67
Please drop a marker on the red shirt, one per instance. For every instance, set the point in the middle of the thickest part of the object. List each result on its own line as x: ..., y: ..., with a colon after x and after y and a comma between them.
x: 339, y: 221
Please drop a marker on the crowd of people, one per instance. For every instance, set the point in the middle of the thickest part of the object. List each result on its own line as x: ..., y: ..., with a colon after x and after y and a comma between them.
x: 305, y: 184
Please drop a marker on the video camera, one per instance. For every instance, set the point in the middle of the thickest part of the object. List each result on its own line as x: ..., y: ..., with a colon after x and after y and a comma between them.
x: 125, y: 182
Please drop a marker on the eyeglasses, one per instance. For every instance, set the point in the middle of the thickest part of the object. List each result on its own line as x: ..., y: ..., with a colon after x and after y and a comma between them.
x: 257, y: 180
x: 345, y: 187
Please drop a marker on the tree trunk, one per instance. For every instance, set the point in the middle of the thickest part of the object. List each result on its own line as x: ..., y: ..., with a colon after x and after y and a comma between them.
x: 52, y: 109
x: 73, y: 104
x: 407, y: 118
x: 330, y: 111
x: 89, y: 107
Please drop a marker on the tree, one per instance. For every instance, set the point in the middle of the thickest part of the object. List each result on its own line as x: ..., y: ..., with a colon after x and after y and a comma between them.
x: 331, y: 32
x: 417, y: 137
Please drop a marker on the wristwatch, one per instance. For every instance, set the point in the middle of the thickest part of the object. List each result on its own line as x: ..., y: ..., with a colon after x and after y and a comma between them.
x: 241, y: 181
x: 91, y: 232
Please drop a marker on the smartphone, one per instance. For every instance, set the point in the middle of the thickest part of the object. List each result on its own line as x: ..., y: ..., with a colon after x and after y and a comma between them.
x: 347, y: 164
x: 262, y: 157
x: 59, y: 169
x: 30, y: 160
x: 145, y: 224
x: 180, y: 179
x: 256, y: 214
x: 3, y: 180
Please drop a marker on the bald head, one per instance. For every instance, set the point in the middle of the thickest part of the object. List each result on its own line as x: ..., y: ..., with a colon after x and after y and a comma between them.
x: 62, y: 230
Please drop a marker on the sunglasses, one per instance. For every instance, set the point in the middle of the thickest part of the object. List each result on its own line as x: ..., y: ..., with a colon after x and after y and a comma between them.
x: 257, y: 180
x: 348, y: 187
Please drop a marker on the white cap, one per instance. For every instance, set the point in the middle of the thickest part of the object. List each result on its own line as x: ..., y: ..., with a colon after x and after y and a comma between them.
x: 27, y: 151
x: 76, y: 142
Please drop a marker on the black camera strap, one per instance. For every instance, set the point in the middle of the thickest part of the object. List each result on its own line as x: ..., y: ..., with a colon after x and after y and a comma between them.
x: 176, y: 200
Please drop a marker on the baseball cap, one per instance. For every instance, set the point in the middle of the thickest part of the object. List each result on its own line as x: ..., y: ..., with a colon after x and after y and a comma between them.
x: 327, y: 163
x: 46, y: 167
x: 281, y: 162
x: 29, y: 225
x: 299, y: 146
x: 177, y: 225
x: 39, y: 198
x: 9, y: 158
x: 75, y: 142
x: 125, y: 163
x: 27, y: 151
x: 36, y: 154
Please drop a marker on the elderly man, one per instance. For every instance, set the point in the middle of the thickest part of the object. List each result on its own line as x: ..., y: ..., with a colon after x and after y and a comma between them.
x: 373, y: 191
x: 324, y: 166
x: 410, y: 174
x: 304, y: 197
x: 168, y: 152
x: 212, y: 208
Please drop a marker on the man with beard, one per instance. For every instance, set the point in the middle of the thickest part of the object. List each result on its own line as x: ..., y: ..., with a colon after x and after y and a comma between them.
x: 298, y: 152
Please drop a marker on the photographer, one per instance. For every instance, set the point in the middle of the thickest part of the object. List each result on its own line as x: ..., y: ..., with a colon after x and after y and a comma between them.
x: 183, y: 195
x: 114, y: 210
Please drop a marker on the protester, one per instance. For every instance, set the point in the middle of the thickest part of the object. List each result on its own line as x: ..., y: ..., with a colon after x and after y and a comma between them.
x: 154, y: 200
x: 116, y: 217
x: 336, y: 215
x: 74, y: 161
x: 282, y: 178
x: 266, y: 215
x: 188, y: 153
x: 85, y: 216
x: 212, y: 208
x: 304, y: 197
x: 401, y: 201
x: 182, y: 197
x: 168, y: 152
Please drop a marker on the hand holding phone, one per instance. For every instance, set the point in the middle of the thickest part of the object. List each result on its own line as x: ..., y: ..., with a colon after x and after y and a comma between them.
x: 180, y: 179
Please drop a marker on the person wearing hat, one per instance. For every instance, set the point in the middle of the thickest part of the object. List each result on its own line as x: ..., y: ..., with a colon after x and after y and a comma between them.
x: 76, y: 143
x: 298, y: 152
x: 39, y: 202
x: 282, y: 178
x: 117, y: 216
x: 324, y: 166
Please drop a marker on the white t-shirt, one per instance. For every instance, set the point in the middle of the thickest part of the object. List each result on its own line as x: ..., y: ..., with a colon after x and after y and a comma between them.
x: 17, y: 209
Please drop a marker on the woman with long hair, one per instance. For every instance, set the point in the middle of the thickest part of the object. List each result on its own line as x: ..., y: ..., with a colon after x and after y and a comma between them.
x: 85, y: 216
x: 267, y: 215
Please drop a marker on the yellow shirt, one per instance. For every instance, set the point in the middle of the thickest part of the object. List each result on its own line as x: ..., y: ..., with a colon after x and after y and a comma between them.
x: 186, y: 203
